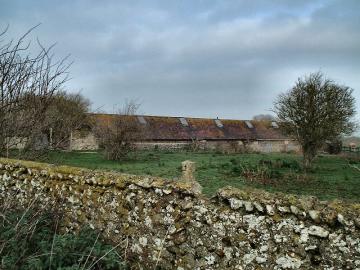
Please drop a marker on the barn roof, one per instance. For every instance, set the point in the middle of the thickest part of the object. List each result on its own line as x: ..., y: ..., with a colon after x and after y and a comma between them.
x: 189, y: 128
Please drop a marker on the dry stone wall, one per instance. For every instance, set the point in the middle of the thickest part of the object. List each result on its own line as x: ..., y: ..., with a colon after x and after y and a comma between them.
x: 164, y: 224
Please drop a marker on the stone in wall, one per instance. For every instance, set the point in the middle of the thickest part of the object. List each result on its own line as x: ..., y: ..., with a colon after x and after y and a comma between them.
x: 162, y: 223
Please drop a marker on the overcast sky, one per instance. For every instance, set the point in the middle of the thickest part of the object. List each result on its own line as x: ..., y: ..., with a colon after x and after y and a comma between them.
x: 226, y: 59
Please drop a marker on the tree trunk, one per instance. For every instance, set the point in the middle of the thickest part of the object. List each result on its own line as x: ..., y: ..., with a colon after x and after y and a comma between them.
x: 309, y: 156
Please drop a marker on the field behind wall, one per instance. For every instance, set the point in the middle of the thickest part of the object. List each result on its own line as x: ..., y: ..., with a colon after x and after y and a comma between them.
x: 332, y: 177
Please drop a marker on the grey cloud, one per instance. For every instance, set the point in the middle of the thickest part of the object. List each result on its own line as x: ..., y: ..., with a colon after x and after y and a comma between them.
x: 197, y: 58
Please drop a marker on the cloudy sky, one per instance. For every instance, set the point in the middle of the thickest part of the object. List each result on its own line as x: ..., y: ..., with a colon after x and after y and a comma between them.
x: 214, y: 58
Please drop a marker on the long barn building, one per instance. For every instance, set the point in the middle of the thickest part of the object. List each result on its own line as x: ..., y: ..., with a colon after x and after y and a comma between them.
x: 164, y: 132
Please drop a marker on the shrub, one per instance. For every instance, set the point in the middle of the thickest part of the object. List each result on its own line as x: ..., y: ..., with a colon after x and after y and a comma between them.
x: 354, y: 160
x: 118, y: 135
x: 281, y: 164
x: 274, y: 174
x: 291, y: 164
x: 236, y: 170
x: 234, y: 161
x: 265, y: 162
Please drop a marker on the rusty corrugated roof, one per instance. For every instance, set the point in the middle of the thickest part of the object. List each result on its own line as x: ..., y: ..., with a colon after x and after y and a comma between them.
x: 171, y: 128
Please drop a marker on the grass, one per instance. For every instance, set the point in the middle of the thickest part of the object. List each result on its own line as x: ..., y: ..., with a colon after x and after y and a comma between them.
x: 331, y: 178
x: 29, y: 239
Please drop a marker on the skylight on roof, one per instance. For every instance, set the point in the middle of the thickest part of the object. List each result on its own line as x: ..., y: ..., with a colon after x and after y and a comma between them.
x: 218, y: 123
x: 183, y: 121
x: 274, y: 124
x: 141, y: 120
x: 249, y: 124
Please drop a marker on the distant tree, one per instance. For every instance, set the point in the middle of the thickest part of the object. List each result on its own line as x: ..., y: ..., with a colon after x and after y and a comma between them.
x: 64, y: 113
x: 117, y: 136
x: 315, y: 110
x: 67, y: 112
x: 27, y: 83
x: 264, y: 117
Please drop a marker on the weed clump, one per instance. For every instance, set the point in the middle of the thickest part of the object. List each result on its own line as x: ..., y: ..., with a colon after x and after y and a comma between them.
x: 353, y: 160
x: 264, y: 171
x: 281, y: 164
x: 29, y: 239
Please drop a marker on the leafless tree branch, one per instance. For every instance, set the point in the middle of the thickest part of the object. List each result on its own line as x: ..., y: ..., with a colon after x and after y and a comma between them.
x: 27, y: 84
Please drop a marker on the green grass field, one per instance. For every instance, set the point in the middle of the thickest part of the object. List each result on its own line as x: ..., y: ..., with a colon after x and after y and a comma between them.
x: 331, y: 178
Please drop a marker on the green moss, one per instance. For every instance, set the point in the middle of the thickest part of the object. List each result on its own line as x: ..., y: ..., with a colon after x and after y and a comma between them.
x: 277, y: 218
x: 130, y: 231
x: 241, y: 237
x: 122, y: 211
x: 292, y: 199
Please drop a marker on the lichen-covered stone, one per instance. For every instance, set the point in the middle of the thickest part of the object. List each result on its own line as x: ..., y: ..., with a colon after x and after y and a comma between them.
x: 287, y: 262
x: 294, y: 210
x: 258, y: 207
x: 318, y: 231
x: 284, y: 209
x: 235, y: 203
x: 315, y: 215
x: 270, y: 210
x: 248, y: 206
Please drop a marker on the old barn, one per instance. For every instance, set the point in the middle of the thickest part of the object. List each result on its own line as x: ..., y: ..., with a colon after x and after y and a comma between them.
x: 164, y: 132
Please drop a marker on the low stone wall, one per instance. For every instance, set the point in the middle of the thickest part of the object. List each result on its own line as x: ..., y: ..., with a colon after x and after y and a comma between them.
x: 162, y: 223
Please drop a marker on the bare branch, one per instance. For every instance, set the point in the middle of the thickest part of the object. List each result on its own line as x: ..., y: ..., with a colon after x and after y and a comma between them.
x: 27, y: 84
x: 117, y: 135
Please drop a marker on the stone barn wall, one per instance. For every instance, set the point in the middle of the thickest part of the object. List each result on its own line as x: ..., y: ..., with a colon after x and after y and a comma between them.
x: 83, y: 140
x: 274, y: 146
x: 165, y: 145
x: 164, y: 224
x: 262, y: 146
x: 87, y: 141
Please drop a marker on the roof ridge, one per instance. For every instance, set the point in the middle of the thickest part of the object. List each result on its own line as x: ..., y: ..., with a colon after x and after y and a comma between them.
x: 186, y: 117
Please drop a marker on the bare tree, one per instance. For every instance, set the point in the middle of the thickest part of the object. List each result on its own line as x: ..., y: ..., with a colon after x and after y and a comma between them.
x: 316, y: 109
x: 118, y: 135
x: 27, y: 83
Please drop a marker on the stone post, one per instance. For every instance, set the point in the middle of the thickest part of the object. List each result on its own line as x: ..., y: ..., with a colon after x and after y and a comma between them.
x: 188, y: 170
x: 188, y: 176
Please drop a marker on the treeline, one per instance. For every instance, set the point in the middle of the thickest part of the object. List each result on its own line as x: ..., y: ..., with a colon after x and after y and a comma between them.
x: 37, y: 114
